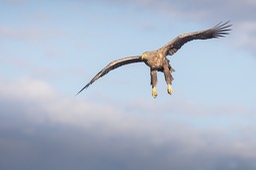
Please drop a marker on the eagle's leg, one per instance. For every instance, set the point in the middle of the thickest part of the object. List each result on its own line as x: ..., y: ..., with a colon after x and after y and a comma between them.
x: 168, y: 77
x: 153, y: 75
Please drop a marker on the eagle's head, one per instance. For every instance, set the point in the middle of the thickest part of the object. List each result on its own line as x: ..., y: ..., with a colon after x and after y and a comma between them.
x: 146, y: 55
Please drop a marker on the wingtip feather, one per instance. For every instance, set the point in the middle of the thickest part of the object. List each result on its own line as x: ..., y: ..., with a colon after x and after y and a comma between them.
x: 85, y: 87
x: 222, y: 29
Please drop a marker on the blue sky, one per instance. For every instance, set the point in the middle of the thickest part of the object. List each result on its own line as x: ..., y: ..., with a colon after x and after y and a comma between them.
x: 50, y: 49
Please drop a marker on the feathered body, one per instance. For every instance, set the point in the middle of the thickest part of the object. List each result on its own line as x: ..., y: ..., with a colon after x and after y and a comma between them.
x: 157, y: 60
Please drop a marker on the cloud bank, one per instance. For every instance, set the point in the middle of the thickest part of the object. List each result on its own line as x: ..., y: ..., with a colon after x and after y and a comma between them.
x: 41, y: 129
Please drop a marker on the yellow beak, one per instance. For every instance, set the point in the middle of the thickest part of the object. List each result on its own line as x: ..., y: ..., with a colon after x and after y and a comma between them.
x: 143, y: 56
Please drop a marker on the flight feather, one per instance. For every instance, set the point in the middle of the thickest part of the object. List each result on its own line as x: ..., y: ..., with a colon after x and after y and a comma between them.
x: 220, y: 30
x: 111, y: 66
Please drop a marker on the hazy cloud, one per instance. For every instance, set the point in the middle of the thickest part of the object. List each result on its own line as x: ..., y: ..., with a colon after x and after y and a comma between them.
x: 28, y: 33
x: 241, y: 13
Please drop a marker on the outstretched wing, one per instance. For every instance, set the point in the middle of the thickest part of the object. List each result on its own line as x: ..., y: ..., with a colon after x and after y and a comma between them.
x: 220, y: 30
x: 111, y: 66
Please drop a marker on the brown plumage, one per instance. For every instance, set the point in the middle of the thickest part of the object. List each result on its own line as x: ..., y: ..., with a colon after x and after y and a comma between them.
x: 157, y: 60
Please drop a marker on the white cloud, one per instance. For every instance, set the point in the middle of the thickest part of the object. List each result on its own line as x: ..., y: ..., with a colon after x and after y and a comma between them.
x: 246, y: 35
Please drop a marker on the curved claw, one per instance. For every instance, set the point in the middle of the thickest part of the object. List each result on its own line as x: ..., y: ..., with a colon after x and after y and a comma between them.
x: 154, y: 92
x: 169, y: 89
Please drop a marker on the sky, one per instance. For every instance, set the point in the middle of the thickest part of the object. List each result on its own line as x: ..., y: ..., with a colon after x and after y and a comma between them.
x: 50, y: 49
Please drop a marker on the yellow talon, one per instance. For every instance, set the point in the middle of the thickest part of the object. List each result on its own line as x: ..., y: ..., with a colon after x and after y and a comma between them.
x: 169, y: 89
x: 154, y: 92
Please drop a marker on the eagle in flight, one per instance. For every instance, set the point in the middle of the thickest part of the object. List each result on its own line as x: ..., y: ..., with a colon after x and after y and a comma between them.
x: 157, y: 61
